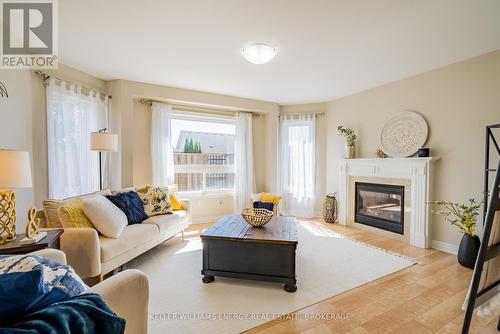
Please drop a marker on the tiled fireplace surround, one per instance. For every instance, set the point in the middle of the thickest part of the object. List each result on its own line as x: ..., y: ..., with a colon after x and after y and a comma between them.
x: 415, y: 174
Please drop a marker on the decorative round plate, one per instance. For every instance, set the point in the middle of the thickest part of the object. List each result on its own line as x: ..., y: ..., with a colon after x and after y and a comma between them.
x: 403, y: 134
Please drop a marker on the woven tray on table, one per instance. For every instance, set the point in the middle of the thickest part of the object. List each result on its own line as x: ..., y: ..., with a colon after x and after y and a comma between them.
x: 257, y: 217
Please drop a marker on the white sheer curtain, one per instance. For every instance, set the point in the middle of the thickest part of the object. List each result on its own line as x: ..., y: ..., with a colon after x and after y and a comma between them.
x: 162, y: 152
x: 297, y: 164
x: 71, y: 117
x: 244, y: 183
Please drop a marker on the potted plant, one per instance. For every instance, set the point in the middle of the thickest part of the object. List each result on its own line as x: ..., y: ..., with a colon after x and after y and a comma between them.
x: 350, y: 138
x: 464, y: 217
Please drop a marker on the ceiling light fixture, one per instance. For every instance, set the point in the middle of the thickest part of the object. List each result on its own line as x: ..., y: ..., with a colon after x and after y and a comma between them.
x: 258, y: 53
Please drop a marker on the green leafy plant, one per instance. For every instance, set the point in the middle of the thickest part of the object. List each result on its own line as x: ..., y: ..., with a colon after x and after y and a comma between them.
x: 463, y: 216
x: 349, y: 134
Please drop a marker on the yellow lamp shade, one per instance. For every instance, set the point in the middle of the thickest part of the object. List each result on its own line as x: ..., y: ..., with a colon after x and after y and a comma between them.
x: 103, y: 142
x: 15, y: 169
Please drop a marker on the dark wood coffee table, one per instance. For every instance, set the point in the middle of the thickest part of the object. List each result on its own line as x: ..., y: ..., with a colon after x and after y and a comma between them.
x: 233, y: 248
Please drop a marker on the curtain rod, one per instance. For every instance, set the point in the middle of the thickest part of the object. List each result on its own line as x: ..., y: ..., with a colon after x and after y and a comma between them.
x: 316, y: 114
x: 194, y: 108
x: 45, y: 81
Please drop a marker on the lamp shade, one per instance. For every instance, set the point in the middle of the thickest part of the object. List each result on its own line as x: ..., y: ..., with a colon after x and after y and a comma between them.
x: 103, y: 142
x: 15, y: 169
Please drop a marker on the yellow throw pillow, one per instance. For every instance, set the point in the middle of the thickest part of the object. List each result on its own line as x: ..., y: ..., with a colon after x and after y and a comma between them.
x: 174, y: 198
x: 270, y: 198
x: 72, y: 215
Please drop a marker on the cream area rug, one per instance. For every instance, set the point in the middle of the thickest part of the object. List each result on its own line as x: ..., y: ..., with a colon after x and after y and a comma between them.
x: 327, y: 264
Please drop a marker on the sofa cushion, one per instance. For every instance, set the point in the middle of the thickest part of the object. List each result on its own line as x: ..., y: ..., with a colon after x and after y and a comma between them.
x: 131, y: 205
x: 166, y: 222
x: 155, y: 200
x: 71, y: 215
x: 174, y: 198
x: 263, y: 205
x: 51, y: 207
x: 132, y: 237
x: 107, y: 218
x: 51, y: 210
x: 270, y: 198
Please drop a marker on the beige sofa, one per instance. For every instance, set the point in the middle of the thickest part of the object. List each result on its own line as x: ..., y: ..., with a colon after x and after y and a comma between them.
x: 126, y: 293
x: 93, y: 255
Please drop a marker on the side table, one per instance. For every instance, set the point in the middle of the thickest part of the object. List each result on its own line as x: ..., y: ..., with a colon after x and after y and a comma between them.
x: 15, y: 247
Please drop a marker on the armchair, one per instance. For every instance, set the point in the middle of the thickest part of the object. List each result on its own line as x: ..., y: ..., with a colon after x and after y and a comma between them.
x: 126, y: 293
x: 269, y: 198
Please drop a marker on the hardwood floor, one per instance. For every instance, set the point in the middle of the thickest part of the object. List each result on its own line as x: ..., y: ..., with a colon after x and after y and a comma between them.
x: 424, y: 298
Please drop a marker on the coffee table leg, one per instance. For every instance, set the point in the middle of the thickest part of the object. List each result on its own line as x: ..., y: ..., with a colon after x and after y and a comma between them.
x: 290, y: 287
x: 208, y: 279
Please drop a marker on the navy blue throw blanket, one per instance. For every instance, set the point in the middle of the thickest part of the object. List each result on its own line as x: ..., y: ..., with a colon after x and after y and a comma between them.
x: 83, y: 314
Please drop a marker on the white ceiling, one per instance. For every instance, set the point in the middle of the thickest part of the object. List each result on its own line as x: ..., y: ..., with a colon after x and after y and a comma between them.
x: 327, y: 48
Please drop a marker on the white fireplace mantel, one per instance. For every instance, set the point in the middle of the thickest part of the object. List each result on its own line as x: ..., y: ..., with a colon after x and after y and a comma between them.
x: 417, y: 170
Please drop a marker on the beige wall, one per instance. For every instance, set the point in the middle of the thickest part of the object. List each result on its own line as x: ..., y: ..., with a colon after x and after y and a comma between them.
x: 15, y: 128
x: 457, y: 101
x: 321, y: 135
x: 23, y: 126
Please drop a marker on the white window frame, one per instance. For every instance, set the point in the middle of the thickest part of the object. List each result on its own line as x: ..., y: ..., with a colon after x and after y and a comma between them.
x: 204, y: 169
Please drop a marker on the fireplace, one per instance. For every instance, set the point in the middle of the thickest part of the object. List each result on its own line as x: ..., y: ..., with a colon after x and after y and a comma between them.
x: 380, y: 205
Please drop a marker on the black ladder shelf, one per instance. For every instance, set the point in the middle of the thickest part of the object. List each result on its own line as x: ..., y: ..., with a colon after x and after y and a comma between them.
x: 486, y: 252
x: 490, y: 139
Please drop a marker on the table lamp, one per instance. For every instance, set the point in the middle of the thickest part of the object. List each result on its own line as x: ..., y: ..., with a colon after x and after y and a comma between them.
x: 103, y: 141
x: 15, y: 172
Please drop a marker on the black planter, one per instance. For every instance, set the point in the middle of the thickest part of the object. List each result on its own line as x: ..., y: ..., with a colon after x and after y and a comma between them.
x: 467, y: 251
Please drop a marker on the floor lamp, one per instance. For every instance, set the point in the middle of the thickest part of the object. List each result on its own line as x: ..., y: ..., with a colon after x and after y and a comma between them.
x: 103, y: 141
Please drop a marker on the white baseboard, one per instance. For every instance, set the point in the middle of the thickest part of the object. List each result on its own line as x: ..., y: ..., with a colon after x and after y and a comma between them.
x: 206, y: 219
x: 445, y: 247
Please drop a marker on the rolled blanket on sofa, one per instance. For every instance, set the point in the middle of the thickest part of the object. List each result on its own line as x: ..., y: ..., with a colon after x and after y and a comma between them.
x: 83, y: 314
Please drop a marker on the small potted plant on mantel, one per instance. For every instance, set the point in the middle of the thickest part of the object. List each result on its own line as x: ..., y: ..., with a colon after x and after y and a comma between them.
x: 464, y: 217
x: 350, y: 139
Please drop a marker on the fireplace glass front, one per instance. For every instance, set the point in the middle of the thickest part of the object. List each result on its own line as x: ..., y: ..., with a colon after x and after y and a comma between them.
x: 380, y: 205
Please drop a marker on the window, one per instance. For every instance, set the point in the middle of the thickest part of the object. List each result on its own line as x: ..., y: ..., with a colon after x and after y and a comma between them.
x: 203, y: 153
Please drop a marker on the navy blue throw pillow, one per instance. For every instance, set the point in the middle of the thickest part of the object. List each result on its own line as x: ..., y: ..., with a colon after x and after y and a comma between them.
x: 131, y: 205
x: 263, y: 205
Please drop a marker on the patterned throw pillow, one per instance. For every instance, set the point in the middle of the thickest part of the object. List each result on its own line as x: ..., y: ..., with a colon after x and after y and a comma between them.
x: 156, y: 201
x: 71, y: 215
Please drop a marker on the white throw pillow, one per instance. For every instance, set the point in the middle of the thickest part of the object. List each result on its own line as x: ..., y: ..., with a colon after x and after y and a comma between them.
x: 106, y: 217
